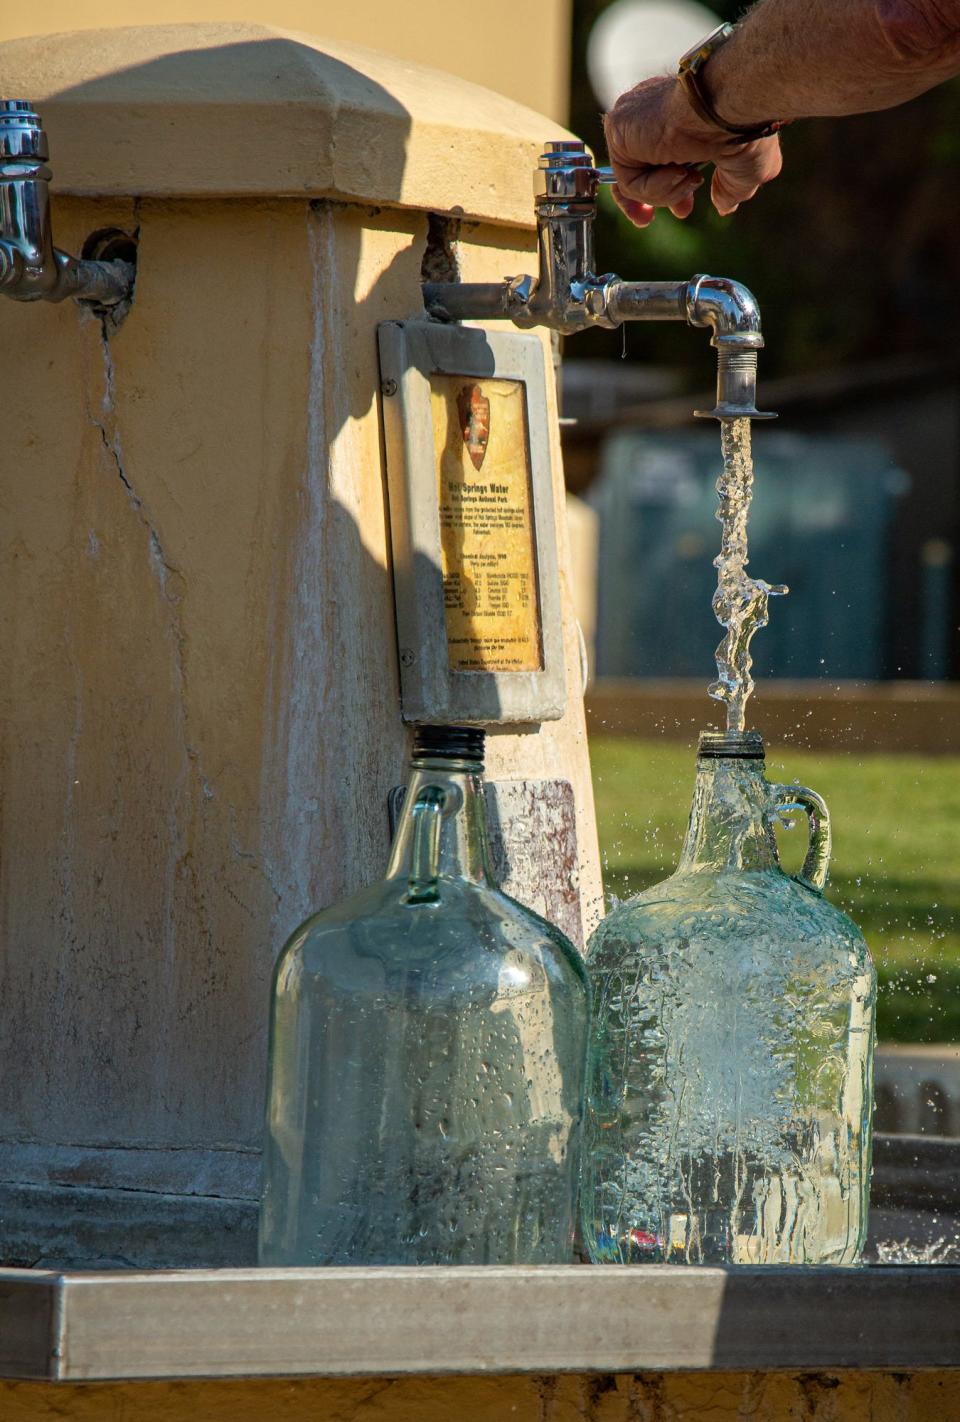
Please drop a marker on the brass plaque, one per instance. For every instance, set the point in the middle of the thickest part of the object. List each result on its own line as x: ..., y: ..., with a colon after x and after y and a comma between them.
x: 487, y: 536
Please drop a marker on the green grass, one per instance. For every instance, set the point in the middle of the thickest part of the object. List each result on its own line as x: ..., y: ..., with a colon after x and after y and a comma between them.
x: 896, y: 828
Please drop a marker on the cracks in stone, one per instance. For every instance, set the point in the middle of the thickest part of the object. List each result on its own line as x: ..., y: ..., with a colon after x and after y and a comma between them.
x: 249, y: 856
x: 375, y: 1390
x: 167, y: 576
x: 816, y: 1389
x: 205, y: 1148
x: 594, y: 1390
x: 40, y: 1189
x: 546, y: 1396
x: 646, y: 1399
x: 165, y: 572
x: 110, y: 438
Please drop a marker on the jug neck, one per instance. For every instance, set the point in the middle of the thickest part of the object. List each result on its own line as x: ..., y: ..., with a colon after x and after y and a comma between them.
x: 442, y: 832
x: 730, y: 818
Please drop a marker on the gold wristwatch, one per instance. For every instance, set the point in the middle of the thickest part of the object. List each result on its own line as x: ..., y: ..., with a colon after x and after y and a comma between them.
x: 690, y: 76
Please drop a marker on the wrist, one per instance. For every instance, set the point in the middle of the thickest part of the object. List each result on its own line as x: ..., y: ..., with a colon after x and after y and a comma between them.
x: 724, y: 94
x: 682, y: 117
x: 703, y: 75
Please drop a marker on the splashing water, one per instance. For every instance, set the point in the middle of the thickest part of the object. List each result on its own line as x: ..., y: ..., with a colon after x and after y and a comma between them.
x: 740, y: 602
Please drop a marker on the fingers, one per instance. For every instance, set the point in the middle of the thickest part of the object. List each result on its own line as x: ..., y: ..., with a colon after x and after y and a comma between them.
x: 726, y: 196
x: 683, y: 208
x: 736, y: 179
x: 641, y: 214
x: 658, y: 184
x: 639, y: 191
x: 739, y: 177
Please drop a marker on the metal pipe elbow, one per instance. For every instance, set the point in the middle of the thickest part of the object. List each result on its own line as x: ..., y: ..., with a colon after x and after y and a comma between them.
x: 62, y: 275
x: 106, y: 284
x: 727, y: 308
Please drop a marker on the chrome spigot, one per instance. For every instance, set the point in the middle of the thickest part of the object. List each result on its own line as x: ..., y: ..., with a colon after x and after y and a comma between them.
x: 568, y: 296
x: 31, y: 268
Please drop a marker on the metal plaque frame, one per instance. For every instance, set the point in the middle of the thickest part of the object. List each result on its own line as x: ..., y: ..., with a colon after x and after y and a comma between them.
x: 431, y: 690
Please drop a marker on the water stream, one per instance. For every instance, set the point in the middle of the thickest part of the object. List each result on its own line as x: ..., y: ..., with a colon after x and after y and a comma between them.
x: 740, y: 602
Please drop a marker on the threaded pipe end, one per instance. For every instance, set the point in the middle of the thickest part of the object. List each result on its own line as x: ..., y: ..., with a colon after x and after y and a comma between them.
x: 734, y: 745
x: 448, y: 743
x: 736, y: 384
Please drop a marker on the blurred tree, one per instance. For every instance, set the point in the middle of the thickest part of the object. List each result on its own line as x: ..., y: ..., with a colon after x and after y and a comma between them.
x: 852, y: 253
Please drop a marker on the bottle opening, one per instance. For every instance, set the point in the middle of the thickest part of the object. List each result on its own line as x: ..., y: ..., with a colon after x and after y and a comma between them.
x: 721, y: 745
x: 448, y: 743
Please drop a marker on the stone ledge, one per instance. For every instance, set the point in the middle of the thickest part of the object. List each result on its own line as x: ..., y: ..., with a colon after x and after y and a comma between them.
x: 236, y: 109
x: 370, y: 1322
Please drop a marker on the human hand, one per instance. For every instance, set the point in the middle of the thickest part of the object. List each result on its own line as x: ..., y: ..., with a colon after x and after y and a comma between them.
x: 656, y: 143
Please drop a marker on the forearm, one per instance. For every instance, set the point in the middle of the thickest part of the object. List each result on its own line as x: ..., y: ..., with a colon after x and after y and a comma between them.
x: 806, y: 58
x: 787, y: 59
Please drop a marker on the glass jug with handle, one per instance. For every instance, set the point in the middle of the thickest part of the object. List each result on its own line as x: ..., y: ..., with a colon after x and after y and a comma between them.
x: 729, y: 1081
x: 427, y: 1049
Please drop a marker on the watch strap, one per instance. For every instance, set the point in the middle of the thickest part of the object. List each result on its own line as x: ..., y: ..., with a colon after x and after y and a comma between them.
x: 691, y: 79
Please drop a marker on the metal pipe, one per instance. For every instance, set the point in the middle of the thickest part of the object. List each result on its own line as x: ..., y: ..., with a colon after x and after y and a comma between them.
x: 568, y: 297
x: 103, y: 283
x: 647, y: 301
x: 729, y: 309
x: 31, y: 268
x: 467, y: 301
x: 736, y: 386
x: 731, y: 312
x: 725, y: 307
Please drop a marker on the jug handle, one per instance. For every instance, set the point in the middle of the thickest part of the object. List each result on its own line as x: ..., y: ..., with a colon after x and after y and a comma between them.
x: 425, y: 857
x: 816, y: 865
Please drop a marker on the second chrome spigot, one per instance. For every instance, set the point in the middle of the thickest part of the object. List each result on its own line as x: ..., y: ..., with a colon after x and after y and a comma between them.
x: 568, y: 296
x: 31, y: 267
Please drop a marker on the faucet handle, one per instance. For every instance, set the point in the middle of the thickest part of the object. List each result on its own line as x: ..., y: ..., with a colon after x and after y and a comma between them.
x: 566, y: 172
x: 572, y: 149
x: 21, y: 132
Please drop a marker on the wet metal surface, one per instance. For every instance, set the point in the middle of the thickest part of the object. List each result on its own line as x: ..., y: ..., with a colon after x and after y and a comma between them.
x: 370, y: 1322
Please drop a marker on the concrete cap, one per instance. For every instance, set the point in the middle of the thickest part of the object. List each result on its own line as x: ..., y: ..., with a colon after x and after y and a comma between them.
x: 249, y: 110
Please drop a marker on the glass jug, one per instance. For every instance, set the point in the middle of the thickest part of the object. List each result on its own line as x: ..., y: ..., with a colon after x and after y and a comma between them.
x: 729, y: 1084
x: 427, y: 1049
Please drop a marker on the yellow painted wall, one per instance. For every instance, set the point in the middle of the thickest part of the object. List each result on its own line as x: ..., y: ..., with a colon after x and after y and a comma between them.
x: 677, y: 1397
x: 521, y: 50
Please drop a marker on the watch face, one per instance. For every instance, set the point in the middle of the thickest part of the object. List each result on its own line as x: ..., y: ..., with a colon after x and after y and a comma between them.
x: 700, y: 53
